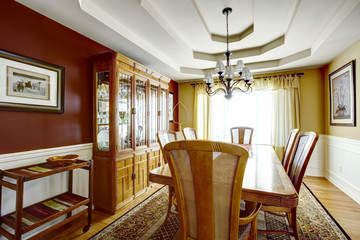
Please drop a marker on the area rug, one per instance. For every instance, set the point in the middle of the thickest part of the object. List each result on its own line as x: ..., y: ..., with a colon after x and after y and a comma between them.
x: 145, y: 221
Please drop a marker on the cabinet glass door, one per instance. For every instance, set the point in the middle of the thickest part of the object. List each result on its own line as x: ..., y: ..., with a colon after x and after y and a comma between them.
x: 163, y: 110
x: 153, y: 113
x: 140, y: 115
x: 124, y: 111
x: 102, y: 110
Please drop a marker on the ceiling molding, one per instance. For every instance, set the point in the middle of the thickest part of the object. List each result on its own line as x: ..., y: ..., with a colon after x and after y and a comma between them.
x: 242, y: 53
x: 235, y: 37
x: 257, y: 65
x: 98, y: 13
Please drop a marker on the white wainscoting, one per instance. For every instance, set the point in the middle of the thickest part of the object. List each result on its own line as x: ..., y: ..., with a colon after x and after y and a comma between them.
x: 316, y: 164
x: 47, y: 187
x: 342, y: 164
x: 338, y: 160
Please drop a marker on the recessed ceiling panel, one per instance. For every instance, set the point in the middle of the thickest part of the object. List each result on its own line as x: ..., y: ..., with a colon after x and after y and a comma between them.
x: 167, y: 35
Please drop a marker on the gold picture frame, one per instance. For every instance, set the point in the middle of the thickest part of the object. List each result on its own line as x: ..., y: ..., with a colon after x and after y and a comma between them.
x: 342, y: 96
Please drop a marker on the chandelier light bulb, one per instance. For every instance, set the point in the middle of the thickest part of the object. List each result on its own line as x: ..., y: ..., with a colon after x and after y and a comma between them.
x: 220, y: 68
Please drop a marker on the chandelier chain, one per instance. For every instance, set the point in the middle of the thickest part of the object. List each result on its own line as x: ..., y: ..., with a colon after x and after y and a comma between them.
x: 227, y: 32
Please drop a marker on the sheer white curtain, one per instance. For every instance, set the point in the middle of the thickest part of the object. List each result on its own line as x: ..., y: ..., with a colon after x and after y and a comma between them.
x: 252, y: 110
x: 201, y: 119
x: 272, y: 109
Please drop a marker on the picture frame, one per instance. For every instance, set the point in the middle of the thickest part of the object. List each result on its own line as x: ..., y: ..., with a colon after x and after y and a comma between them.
x: 27, y: 84
x: 342, y: 96
x: 171, y: 106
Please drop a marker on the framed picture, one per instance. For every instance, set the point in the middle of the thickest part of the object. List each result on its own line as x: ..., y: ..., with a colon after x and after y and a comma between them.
x: 342, y: 96
x: 28, y: 84
x: 171, y: 106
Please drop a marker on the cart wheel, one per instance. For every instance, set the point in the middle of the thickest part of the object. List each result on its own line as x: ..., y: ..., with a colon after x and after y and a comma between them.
x: 86, y: 228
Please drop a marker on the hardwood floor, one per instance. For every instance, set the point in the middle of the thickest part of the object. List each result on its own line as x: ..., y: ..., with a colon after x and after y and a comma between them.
x: 345, y: 210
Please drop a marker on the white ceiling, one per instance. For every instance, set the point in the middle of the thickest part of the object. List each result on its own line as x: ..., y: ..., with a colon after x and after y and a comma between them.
x: 182, y: 38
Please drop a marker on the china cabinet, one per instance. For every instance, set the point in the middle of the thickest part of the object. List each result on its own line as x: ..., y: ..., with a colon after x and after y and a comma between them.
x: 130, y: 102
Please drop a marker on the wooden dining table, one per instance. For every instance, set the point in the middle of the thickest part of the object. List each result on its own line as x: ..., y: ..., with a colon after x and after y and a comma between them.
x: 265, y: 180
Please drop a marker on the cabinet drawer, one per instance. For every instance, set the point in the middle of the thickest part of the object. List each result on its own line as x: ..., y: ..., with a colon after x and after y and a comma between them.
x: 124, y: 163
x: 140, y: 158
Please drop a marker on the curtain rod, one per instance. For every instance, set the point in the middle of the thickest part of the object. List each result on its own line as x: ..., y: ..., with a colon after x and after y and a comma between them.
x: 295, y: 74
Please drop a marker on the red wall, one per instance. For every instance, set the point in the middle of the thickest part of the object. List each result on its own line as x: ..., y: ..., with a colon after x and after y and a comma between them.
x: 28, y: 33
x: 174, y: 88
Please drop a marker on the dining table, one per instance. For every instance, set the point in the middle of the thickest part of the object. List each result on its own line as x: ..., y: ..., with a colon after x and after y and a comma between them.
x: 265, y: 180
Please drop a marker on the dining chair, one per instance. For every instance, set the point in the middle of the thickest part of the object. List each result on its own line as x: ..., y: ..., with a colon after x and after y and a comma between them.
x: 189, y: 133
x: 164, y: 137
x: 303, y: 149
x: 289, y: 148
x: 208, y: 179
x: 241, y: 135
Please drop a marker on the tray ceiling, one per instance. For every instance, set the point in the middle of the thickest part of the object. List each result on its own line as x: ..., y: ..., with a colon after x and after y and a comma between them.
x: 182, y: 39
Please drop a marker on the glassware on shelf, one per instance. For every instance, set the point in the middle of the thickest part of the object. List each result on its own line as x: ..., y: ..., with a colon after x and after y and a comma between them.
x: 163, y: 110
x: 124, y: 106
x: 140, y: 116
x: 153, y: 113
x: 103, y: 140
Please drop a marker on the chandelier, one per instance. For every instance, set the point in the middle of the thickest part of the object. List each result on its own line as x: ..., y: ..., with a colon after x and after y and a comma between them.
x: 227, y: 75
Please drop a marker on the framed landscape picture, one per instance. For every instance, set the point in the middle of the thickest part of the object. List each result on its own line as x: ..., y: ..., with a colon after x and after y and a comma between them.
x: 342, y: 96
x: 28, y: 84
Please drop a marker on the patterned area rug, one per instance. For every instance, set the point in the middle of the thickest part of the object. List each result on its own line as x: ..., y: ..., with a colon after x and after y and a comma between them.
x: 145, y: 221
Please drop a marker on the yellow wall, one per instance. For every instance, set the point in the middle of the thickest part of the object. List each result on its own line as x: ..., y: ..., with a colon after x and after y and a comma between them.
x: 186, y: 97
x: 350, y: 54
x: 311, y: 100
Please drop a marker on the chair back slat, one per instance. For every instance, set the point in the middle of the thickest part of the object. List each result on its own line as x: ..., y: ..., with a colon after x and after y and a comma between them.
x: 189, y: 134
x: 289, y: 148
x: 241, y: 135
x: 303, y: 149
x: 164, y: 137
x: 208, y: 180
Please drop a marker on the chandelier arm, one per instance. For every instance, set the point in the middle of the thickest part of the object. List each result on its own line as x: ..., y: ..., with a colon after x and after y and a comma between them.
x: 248, y: 89
x: 235, y: 82
x: 211, y: 93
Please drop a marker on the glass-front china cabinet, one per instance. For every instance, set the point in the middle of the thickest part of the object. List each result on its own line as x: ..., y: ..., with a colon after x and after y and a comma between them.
x: 130, y: 103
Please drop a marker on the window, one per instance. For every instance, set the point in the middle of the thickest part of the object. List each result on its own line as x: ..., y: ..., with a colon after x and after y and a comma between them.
x: 252, y: 110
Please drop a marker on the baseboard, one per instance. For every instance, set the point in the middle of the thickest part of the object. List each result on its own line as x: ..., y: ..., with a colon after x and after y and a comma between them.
x: 346, y: 187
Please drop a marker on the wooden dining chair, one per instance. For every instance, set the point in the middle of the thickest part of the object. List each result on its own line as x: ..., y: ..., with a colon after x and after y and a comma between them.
x: 290, y: 143
x: 164, y: 137
x: 207, y: 178
x: 241, y: 135
x: 189, y: 134
x: 303, y: 149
